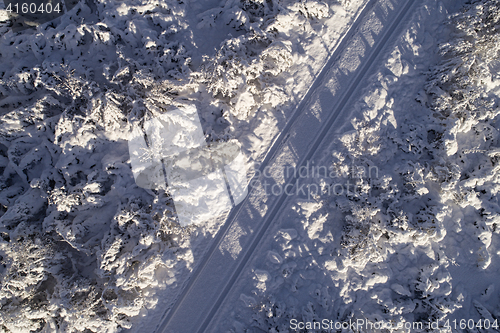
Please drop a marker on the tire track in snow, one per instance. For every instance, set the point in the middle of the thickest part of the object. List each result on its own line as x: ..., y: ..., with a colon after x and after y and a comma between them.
x: 324, y: 130
x: 184, y: 315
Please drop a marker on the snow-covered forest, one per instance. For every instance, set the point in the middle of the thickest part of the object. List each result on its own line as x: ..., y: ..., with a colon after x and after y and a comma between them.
x: 84, y: 249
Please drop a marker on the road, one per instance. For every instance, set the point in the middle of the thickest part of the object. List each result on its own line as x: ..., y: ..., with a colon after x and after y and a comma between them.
x: 325, y: 104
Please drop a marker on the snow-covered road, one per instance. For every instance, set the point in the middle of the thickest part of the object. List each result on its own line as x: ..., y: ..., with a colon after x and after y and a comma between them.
x: 325, y: 104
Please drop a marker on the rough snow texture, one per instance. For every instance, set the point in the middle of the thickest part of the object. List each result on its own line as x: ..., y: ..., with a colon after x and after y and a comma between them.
x: 418, y: 240
x: 82, y: 247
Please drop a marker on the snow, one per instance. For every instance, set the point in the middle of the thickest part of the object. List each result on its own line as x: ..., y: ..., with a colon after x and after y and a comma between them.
x: 71, y: 91
x: 413, y: 251
x: 88, y: 245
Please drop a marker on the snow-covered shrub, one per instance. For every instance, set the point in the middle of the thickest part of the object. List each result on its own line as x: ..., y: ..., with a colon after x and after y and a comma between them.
x: 345, y: 3
x: 273, y: 316
x: 249, y: 71
x: 242, y: 71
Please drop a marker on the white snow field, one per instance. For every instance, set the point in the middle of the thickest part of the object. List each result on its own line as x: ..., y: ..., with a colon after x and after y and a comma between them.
x: 369, y: 129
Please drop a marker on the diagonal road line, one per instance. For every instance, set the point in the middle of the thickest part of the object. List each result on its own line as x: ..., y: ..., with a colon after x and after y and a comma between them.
x: 277, y: 144
x: 340, y: 107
